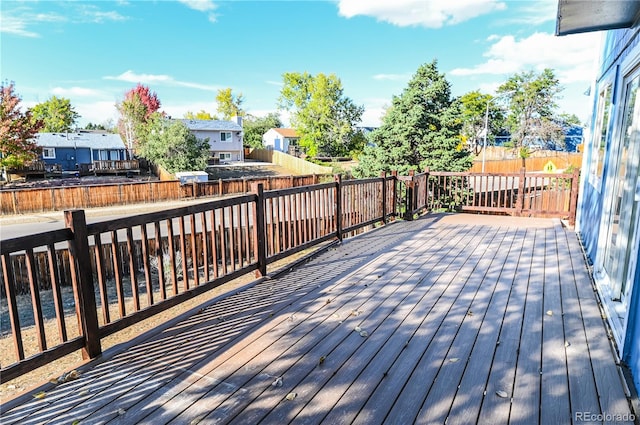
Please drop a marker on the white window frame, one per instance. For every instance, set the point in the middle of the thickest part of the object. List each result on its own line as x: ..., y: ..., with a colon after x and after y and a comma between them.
x: 602, y: 133
x: 226, y: 137
x: 48, y: 153
x: 225, y: 156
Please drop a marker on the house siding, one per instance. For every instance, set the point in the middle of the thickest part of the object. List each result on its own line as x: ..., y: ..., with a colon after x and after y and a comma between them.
x: 619, y: 58
x: 212, y: 130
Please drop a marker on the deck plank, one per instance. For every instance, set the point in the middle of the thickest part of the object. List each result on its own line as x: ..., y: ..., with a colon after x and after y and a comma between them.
x: 473, y: 385
x: 554, y: 375
x: 582, y: 386
x: 525, y: 405
x: 455, y: 310
x: 268, y: 399
x: 613, y: 402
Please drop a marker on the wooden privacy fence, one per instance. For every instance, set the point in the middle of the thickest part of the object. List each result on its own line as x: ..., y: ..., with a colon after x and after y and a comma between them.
x: 20, y: 201
x: 561, y: 160
x: 518, y: 194
x: 77, y: 285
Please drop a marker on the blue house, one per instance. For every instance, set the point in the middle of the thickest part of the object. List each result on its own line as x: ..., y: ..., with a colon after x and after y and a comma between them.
x: 74, y: 150
x: 608, y: 216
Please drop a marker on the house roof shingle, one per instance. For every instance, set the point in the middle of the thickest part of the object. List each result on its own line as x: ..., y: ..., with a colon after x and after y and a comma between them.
x: 287, y: 132
x: 80, y: 139
x: 211, y: 125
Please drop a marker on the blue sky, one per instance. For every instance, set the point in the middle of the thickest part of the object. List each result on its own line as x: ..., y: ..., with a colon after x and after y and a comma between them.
x: 93, y: 52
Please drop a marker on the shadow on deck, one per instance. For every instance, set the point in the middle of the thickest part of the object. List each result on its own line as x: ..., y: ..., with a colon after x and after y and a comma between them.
x: 463, y: 319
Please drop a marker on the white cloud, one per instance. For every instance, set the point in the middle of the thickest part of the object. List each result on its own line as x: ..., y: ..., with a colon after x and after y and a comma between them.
x: 76, y: 91
x: 572, y: 57
x: 96, y: 112
x: 20, y: 20
x: 17, y: 21
x: 275, y: 83
x: 392, y: 77
x: 430, y: 14
x: 16, y: 26
x: 535, y: 13
x: 160, y: 79
x: 199, y: 5
x: 202, y: 6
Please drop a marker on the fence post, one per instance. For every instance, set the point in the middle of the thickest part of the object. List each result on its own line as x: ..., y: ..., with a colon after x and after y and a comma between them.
x: 394, y: 174
x: 520, y: 197
x: 220, y: 187
x: 338, y: 201
x: 82, y: 279
x: 383, y: 176
x: 261, y: 249
x: 573, y: 202
x: 409, y: 200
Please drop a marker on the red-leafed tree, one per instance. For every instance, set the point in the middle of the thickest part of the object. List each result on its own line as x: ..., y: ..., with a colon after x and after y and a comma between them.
x: 148, y: 98
x: 17, y: 130
x: 138, y: 105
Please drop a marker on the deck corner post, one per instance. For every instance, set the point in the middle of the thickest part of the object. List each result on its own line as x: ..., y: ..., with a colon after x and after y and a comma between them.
x: 338, y: 202
x: 261, y: 251
x: 82, y: 280
x: 394, y: 208
x: 383, y: 177
x: 573, y: 202
x: 410, y: 198
x: 520, y: 197
x: 427, y: 171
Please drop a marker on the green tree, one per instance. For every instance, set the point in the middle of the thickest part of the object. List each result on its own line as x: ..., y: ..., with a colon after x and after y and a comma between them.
x: 202, y: 115
x: 170, y: 144
x: 255, y: 127
x: 421, y: 129
x: 17, y: 130
x: 532, y: 109
x: 229, y: 104
x: 138, y: 105
x: 474, y: 112
x: 57, y: 114
x: 320, y: 112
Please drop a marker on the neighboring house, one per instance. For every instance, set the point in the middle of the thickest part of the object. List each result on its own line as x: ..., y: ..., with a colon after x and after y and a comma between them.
x: 80, y: 149
x: 281, y: 139
x: 608, y: 216
x: 225, y: 137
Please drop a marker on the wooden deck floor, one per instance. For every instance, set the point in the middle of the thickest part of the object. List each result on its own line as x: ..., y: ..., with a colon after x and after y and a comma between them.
x: 419, y: 322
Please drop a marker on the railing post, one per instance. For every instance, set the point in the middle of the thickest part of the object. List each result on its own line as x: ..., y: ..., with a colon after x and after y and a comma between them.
x: 426, y: 188
x: 338, y: 201
x: 409, y: 200
x: 520, y: 198
x: 383, y: 175
x: 261, y: 237
x: 82, y: 279
x: 573, y: 202
x: 394, y: 174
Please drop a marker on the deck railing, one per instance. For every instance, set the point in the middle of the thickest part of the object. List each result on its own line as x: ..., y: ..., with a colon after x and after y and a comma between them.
x: 519, y: 194
x: 66, y: 290
x: 123, y: 271
x: 122, y: 165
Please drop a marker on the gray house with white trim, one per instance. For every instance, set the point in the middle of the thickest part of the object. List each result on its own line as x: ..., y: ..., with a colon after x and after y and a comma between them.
x: 225, y: 137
